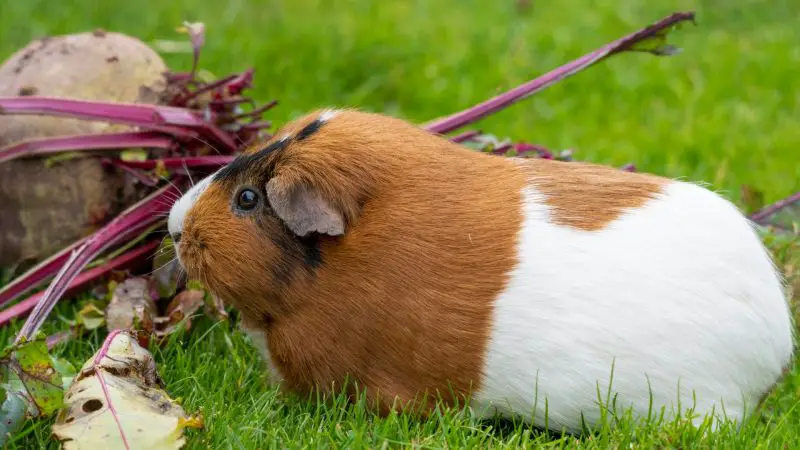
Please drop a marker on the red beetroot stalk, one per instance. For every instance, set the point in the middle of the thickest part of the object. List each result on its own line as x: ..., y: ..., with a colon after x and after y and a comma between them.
x: 260, y: 125
x: 240, y: 83
x: 135, y: 173
x: 231, y: 102
x: 208, y: 87
x: 465, y: 136
x: 110, y: 141
x: 46, y: 269
x: 100, y: 355
x: 256, y: 112
x: 147, y: 211
x: 37, y: 275
x: 168, y: 119
x: 761, y: 216
x: 193, y: 162
x: 216, y: 161
x: 123, y: 261
x: 477, y: 112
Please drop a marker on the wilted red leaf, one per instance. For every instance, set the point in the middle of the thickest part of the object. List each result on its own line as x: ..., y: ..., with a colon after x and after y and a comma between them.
x: 180, y: 308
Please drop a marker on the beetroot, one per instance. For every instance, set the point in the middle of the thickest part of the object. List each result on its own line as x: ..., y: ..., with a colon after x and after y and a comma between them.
x: 47, y: 204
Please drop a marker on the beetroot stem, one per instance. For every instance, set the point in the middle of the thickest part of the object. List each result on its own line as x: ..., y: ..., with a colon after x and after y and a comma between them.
x: 169, y: 119
x: 135, y: 173
x: 208, y: 87
x: 760, y: 216
x: 257, y: 112
x: 111, y: 141
x: 100, y: 355
x: 88, y: 276
x: 465, y: 136
x: 477, y: 112
x: 140, y: 215
x: 193, y: 162
x: 37, y: 274
x: 46, y: 269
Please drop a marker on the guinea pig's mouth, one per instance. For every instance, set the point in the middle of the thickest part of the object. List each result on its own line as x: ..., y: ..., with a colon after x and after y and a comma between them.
x: 184, y: 261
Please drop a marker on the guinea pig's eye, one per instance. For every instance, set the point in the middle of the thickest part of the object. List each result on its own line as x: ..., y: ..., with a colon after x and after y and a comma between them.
x: 247, y: 199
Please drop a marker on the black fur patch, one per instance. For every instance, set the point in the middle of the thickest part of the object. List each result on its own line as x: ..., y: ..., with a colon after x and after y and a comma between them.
x: 312, y: 255
x: 242, y: 162
x: 296, y: 254
x: 309, y: 129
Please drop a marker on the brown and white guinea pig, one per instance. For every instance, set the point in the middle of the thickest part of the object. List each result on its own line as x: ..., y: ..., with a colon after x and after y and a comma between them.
x: 360, y: 247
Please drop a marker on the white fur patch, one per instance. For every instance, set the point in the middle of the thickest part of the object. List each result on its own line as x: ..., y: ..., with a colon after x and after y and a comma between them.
x: 259, y: 341
x: 679, y: 294
x: 327, y: 115
x: 179, y: 209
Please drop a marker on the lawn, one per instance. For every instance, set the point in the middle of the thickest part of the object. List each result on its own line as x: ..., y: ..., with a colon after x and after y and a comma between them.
x: 724, y: 112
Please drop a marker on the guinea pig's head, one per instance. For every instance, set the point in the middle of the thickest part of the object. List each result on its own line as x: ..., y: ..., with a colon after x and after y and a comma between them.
x: 261, y: 223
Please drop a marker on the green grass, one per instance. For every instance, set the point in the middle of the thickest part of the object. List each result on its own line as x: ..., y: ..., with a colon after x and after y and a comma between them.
x: 724, y: 112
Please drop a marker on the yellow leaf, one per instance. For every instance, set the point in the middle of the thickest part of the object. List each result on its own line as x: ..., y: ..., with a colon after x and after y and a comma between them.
x: 133, y: 154
x: 116, y: 401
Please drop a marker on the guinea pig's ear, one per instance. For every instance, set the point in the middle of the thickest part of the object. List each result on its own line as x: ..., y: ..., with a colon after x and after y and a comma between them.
x: 303, y: 209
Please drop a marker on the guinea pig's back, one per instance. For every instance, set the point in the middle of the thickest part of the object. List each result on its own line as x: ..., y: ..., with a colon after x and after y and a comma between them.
x: 664, y: 281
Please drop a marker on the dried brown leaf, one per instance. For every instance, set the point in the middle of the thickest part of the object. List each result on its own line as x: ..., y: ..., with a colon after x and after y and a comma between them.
x: 180, y: 309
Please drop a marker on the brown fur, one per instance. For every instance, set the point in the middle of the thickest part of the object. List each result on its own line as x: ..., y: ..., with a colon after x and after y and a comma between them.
x: 590, y: 196
x: 401, y: 303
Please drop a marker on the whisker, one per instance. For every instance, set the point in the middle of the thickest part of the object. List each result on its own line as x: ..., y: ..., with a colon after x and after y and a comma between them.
x: 173, y: 198
x: 182, y: 276
x: 239, y: 138
x: 188, y: 173
x: 172, y: 195
x: 207, y: 143
x: 163, y: 250
x: 167, y: 203
x: 162, y: 266
x: 173, y: 184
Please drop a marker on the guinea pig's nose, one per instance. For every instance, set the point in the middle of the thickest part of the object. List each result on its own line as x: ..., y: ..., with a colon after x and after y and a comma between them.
x: 176, y: 237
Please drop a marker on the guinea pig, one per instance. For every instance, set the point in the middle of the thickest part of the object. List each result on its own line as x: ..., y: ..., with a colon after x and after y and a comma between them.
x: 359, y: 248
